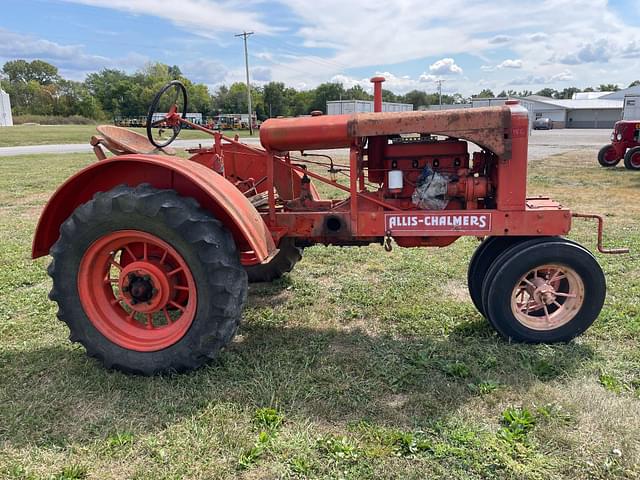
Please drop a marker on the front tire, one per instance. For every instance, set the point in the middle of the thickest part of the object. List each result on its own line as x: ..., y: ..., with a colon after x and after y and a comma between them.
x: 607, y: 156
x: 632, y: 158
x: 481, y: 262
x: 544, y: 292
x: 147, y: 281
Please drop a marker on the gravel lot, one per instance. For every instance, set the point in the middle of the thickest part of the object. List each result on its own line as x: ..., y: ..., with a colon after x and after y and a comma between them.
x: 544, y: 143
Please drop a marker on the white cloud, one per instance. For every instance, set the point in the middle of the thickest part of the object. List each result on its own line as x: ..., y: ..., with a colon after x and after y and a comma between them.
x: 428, y: 78
x: 206, y: 17
x: 516, y: 64
x: 537, y: 37
x: 260, y: 74
x: 500, y: 39
x: 398, y: 83
x: 564, y: 76
x: 210, y: 72
x: 348, y: 37
x: 599, y: 51
x: 71, y: 59
x: 445, y: 66
x: 508, y: 64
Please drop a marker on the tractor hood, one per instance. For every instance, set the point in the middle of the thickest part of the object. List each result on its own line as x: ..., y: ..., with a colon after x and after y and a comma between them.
x: 489, y: 127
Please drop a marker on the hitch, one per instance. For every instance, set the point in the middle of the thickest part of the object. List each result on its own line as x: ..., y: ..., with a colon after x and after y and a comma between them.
x: 601, y: 249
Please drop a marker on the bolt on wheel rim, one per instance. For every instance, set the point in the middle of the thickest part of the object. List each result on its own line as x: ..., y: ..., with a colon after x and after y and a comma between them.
x: 547, y: 297
x: 137, y: 290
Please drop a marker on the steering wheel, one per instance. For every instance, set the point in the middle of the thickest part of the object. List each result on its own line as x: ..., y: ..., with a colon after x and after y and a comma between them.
x: 173, y: 118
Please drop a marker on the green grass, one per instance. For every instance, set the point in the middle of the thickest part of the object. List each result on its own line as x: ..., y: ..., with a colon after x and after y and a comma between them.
x: 359, y: 364
x: 62, y: 134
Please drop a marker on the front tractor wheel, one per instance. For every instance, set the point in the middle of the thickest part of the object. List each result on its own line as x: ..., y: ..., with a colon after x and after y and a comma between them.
x: 147, y: 281
x: 544, y: 292
x: 632, y: 158
x: 481, y: 261
x: 608, y: 157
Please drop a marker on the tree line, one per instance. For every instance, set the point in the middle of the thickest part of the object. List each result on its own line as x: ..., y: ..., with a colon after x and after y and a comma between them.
x: 37, y: 88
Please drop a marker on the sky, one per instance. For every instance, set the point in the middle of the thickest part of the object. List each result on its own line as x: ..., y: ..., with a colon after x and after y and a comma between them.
x: 468, y: 44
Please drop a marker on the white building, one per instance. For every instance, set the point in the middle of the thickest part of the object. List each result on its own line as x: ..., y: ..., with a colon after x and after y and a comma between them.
x: 342, y: 107
x: 600, y: 112
x: 588, y: 95
x: 6, y: 119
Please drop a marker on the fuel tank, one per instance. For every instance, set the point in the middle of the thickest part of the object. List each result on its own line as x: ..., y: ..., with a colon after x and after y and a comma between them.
x: 306, y: 133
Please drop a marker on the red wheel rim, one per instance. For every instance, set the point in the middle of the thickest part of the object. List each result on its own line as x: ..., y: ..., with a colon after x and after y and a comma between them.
x: 610, y: 155
x: 635, y: 160
x: 137, y: 290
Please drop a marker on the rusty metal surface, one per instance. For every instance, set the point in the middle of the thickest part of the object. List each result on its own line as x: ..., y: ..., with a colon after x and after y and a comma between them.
x: 489, y: 127
x: 190, y: 179
x: 126, y: 141
x: 485, y: 126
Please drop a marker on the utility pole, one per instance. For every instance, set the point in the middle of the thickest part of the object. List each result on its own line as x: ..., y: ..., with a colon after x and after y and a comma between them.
x: 246, y: 64
x: 439, y: 82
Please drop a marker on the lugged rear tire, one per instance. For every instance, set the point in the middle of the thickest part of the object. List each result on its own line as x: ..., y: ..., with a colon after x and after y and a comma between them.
x: 282, y: 263
x: 212, y: 277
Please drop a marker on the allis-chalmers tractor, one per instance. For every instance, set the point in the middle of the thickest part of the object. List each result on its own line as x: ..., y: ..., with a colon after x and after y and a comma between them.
x: 625, y: 144
x: 152, y: 253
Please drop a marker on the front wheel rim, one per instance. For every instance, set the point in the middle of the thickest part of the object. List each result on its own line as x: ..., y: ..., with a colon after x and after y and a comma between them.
x: 635, y: 160
x: 547, y: 297
x: 610, y: 156
x: 137, y: 290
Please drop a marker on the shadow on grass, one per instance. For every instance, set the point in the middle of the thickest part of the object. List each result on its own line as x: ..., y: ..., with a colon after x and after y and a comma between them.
x: 55, y: 395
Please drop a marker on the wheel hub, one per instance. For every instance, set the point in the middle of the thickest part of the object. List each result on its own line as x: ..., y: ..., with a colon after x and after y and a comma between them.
x: 544, y: 291
x: 145, y: 287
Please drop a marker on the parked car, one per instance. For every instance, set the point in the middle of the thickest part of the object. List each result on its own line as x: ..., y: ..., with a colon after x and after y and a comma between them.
x: 542, y: 124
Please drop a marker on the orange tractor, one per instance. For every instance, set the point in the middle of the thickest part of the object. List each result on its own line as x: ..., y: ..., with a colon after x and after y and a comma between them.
x: 152, y: 253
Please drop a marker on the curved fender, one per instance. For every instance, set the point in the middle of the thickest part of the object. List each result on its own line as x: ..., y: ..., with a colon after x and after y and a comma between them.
x: 189, y: 179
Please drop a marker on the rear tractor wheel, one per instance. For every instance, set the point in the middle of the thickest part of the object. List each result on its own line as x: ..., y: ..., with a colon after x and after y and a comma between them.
x: 607, y: 156
x: 147, y: 281
x: 544, y: 291
x: 632, y: 158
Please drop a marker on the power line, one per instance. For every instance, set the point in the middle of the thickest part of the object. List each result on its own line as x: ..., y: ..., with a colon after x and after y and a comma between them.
x: 244, y: 35
x: 311, y: 58
x: 284, y: 65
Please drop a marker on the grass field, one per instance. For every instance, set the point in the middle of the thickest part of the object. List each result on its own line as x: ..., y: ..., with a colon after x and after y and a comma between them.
x: 359, y: 364
x: 61, y: 134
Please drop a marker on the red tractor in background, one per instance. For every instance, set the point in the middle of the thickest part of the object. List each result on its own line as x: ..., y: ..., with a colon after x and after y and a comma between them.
x: 152, y: 253
x: 625, y: 144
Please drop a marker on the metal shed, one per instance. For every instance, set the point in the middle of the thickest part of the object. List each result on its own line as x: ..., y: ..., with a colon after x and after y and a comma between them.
x: 341, y: 107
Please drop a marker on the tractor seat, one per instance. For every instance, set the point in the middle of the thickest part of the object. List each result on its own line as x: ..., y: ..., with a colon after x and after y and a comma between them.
x: 121, y: 141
